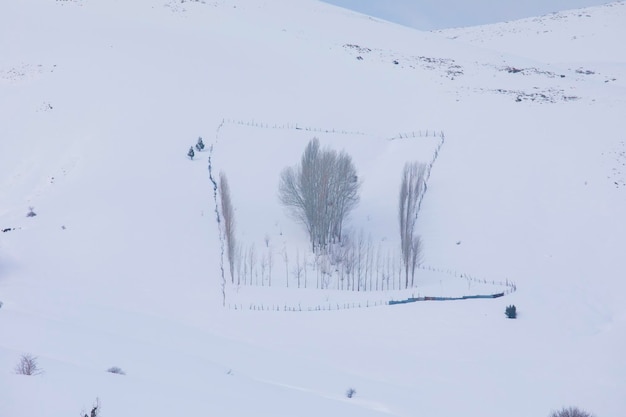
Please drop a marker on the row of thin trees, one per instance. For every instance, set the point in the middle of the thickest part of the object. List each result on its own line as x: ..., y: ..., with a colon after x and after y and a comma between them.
x: 356, y: 265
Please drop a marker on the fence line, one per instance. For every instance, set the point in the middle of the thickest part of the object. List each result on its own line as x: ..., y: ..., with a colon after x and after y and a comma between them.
x: 510, y: 286
x: 289, y: 126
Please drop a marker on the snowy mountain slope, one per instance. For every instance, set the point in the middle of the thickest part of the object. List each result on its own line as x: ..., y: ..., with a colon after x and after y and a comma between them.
x: 586, y: 41
x: 581, y: 35
x: 99, y: 104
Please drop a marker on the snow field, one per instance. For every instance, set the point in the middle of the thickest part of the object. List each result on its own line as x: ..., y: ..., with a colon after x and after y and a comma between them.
x: 120, y: 267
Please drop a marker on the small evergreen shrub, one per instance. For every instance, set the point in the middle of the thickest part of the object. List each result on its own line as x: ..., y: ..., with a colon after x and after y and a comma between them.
x: 351, y: 392
x: 200, y: 144
x: 191, y: 153
x: 511, y: 312
x: 570, y: 412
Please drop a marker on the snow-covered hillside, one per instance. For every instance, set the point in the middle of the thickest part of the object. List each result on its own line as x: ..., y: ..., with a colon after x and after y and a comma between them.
x: 586, y: 41
x: 122, y: 264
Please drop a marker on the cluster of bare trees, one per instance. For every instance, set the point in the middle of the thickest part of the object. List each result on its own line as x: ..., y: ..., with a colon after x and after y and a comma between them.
x: 357, y: 264
x: 411, y: 190
x: 252, y: 266
x: 320, y: 192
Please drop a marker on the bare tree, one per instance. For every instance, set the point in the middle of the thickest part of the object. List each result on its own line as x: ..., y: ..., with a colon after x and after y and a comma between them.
x: 369, y: 263
x: 245, y: 267
x: 360, y: 247
x: 411, y: 189
x: 304, y: 265
x: 348, y: 261
x: 320, y: 192
x: 297, y: 270
x: 286, y: 259
x: 263, y: 268
x: 239, y: 262
x: 252, y: 263
x: 270, y: 264
x: 228, y: 216
x: 324, y: 267
x: 378, y: 263
x: 416, y: 256
x: 387, y: 274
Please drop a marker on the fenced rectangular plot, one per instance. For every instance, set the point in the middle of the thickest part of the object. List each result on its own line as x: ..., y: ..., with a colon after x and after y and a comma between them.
x: 274, y: 250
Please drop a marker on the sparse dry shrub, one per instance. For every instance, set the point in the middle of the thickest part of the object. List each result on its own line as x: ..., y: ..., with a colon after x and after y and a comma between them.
x: 28, y: 366
x: 116, y: 370
x: 570, y: 412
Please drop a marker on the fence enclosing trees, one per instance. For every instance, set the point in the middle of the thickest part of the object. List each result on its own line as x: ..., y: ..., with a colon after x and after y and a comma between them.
x: 320, y: 192
x: 411, y: 190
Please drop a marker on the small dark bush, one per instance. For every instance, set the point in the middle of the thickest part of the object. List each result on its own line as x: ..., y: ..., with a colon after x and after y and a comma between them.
x: 511, y: 312
x: 31, y: 212
x: 351, y: 392
x: 570, y: 412
x: 116, y: 370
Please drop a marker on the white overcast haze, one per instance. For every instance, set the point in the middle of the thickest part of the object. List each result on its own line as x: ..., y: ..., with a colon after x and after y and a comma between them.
x: 442, y: 14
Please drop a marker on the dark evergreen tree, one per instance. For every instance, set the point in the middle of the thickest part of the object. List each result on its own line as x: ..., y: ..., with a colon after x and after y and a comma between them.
x: 511, y: 312
x: 200, y: 144
x: 191, y: 153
